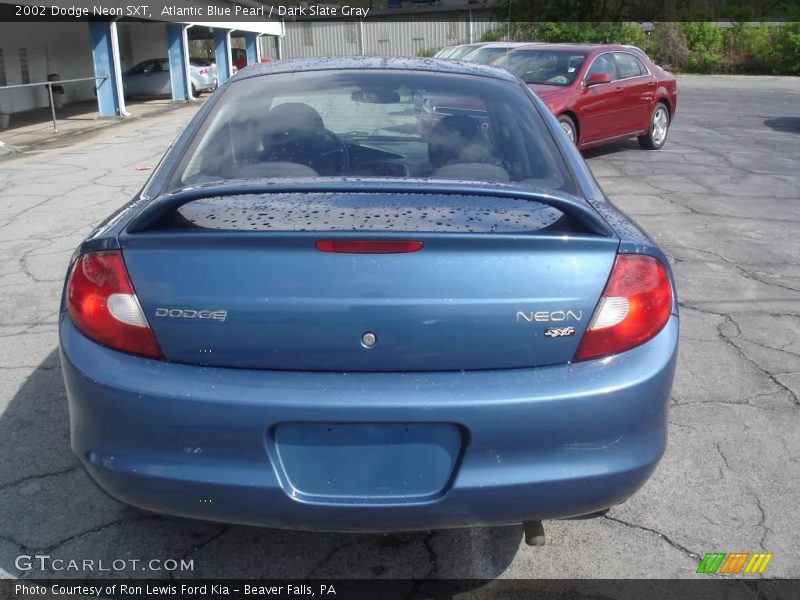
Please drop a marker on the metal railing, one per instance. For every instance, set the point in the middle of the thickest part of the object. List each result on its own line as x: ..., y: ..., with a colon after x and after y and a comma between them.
x: 49, y: 85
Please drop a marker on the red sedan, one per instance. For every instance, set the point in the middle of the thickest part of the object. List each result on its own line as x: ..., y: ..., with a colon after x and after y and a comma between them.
x: 599, y: 93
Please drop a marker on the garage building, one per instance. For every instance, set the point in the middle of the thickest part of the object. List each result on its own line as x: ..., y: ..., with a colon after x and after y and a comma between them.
x: 96, y: 53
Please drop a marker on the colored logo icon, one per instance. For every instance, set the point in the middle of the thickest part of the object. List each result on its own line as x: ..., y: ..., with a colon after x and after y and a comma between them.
x: 734, y: 563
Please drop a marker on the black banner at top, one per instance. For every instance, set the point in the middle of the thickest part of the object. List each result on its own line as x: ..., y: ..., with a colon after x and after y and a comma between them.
x: 512, y: 11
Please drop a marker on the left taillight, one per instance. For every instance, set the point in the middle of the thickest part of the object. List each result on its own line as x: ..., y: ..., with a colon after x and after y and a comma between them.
x: 202, y: 71
x: 102, y: 304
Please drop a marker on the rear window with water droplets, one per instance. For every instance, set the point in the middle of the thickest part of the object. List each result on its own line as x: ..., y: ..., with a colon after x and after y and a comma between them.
x: 374, y: 124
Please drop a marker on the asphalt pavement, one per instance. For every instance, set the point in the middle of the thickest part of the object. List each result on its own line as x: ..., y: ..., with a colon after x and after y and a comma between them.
x: 723, y: 200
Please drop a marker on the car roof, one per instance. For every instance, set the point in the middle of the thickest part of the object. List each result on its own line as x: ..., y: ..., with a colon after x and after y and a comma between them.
x: 384, y: 63
x: 507, y: 44
x: 575, y: 47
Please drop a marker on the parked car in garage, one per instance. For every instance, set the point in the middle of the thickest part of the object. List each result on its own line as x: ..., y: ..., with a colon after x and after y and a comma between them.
x: 314, y: 316
x: 239, y: 56
x: 152, y: 78
x: 599, y: 93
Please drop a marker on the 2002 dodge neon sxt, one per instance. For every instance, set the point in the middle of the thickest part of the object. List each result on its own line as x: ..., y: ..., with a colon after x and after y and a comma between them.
x: 329, y: 309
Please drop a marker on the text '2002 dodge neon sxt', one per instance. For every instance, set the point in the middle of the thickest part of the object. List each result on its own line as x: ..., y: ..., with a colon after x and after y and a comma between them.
x: 334, y: 306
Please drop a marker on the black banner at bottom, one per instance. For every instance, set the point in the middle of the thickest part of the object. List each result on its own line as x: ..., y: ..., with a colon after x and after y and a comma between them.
x: 390, y: 589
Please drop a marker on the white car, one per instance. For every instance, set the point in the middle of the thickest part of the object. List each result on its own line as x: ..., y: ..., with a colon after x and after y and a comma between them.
x: 489, y: 52
x: 151, y: 78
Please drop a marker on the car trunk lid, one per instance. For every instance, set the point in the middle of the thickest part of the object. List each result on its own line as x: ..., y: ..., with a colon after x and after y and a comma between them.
x: 491, y: 282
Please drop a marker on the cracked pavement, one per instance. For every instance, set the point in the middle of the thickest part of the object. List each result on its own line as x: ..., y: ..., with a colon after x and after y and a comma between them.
x: 723, y: 200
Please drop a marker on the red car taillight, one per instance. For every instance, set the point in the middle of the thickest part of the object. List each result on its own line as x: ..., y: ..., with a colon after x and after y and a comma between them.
x: 202, y: 71
x: 635, y: 305
x: 102, y: 304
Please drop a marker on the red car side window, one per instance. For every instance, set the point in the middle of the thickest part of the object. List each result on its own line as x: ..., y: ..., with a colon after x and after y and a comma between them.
x: 604, y: 63
x: 628, y: 65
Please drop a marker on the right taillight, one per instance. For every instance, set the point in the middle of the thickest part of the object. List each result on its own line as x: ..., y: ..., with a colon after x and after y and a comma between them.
x: 635, y: 305
x: 103, y: 305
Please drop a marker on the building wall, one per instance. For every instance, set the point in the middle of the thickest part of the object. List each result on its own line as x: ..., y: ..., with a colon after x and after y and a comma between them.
x: 62, y: 48
x: 400, y: 36
x: 65, y: 48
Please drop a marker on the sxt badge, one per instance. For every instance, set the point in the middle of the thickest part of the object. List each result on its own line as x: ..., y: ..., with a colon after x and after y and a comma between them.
x: 559, y: 332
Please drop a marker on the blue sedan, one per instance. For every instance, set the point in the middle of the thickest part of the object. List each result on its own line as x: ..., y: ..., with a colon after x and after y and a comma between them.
x: 335, y: 307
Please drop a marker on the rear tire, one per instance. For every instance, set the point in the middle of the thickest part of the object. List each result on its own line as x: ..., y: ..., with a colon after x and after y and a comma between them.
x: 195, y: 94
x: 568, y: 126
x: 658, y: 129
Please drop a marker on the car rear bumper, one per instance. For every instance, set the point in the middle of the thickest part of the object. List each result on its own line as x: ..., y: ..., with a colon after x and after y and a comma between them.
x: 207, y: 83
x: 491, y: 447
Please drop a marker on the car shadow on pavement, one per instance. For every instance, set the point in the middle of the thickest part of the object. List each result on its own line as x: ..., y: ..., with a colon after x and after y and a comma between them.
x: 48, y: 506
x: 784, y: 124
x: 610, y: 149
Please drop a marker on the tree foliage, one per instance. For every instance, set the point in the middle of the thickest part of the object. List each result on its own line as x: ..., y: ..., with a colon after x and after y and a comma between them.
x: 687, y: 46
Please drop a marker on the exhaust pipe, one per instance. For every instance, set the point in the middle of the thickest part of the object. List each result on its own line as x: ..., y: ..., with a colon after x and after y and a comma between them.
x: 534, y: 533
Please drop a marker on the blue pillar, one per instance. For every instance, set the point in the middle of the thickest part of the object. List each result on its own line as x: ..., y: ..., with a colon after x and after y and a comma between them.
x: 103, y: 58
x: 251, y: 44
x: 222, y: 51
x: 177, y: 61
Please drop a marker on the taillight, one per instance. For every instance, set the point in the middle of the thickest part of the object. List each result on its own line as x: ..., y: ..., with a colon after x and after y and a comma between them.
x: 103, y: 305
x: 202, y: 71
x: 368, y: 246
x: 635, y: 305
